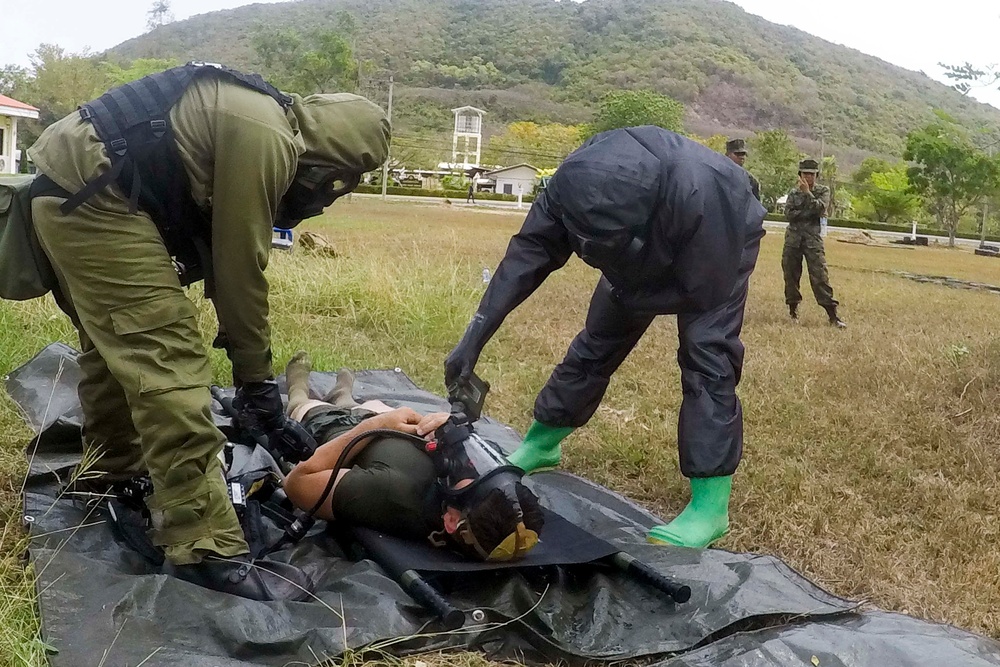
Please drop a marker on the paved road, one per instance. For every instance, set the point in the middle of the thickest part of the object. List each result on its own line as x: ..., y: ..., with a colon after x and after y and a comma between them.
x: 482, y: 203
x: 890, y: 236
x: 511, y: 207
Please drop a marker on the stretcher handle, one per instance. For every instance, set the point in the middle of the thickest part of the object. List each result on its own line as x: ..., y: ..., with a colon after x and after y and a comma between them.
x: 647, y: 575
x: 451, y: 617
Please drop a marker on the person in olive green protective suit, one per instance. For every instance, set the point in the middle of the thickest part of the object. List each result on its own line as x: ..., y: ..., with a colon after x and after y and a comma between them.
x: 146, y: 372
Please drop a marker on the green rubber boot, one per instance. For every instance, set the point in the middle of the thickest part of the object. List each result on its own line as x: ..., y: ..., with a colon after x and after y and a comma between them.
x: 540, y: 449
x: 704, y: 520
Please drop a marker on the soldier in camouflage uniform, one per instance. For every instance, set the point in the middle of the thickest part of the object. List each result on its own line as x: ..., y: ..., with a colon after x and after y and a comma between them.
x: 242, y: 156
x: 806, y: 204
x: 736, y: 150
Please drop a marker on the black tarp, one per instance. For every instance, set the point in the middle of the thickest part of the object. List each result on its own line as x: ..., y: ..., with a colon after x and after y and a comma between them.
x: 100, y: 601
x: 873, y: 639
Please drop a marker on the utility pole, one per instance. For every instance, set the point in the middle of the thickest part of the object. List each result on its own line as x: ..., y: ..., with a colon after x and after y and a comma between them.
x: 822, y: 156
x: 822, y: 140
x: 385, y: 167
x: 986, y: 208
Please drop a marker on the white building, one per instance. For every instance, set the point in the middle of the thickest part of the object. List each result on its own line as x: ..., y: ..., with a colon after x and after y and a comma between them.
x: 10, y: 111
x: 519, y: 179
x: 467, y: 142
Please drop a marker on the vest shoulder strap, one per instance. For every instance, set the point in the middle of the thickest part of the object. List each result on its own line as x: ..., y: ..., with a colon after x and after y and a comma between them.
x: 137, y: 113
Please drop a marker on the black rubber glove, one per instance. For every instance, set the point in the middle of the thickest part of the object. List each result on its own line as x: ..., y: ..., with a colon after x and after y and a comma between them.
x: 461, y: 361
x: 292, y: 442
x: 541, y: 247
x: 259, y: 411
x: 258, y: 406
x: 221, y: 342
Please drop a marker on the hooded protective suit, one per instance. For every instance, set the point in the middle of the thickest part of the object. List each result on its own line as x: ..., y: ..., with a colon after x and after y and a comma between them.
x: 145, y: 390
x: 675, y: 228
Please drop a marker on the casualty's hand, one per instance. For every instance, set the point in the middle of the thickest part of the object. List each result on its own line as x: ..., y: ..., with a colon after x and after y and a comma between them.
x: 803, y: 185
x: 400, y: 419
x: 431, y: 423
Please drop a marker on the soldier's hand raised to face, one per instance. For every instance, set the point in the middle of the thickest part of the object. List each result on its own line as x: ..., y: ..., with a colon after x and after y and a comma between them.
x: 803, y: 185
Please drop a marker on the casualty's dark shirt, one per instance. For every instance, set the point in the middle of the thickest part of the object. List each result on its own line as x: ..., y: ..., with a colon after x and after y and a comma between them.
x: 391, y: 484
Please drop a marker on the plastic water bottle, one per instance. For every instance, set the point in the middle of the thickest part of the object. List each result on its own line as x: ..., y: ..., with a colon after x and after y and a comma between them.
x: 822, y: 227
x: 486, y: 276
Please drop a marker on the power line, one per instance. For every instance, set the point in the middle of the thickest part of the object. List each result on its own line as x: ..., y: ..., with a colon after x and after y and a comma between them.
x: 412, y: 141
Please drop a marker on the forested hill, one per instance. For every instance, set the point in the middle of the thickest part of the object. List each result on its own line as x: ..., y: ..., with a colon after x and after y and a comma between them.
x: 550, y: 61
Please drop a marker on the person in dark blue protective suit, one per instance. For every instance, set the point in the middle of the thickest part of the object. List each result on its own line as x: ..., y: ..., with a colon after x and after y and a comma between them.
x: 675, y: 229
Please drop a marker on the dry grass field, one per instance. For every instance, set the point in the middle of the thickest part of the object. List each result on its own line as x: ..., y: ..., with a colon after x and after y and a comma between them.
x: 871, y: 461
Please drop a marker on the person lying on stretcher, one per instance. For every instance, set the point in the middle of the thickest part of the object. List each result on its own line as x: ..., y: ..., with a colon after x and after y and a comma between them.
x: 388, y: 483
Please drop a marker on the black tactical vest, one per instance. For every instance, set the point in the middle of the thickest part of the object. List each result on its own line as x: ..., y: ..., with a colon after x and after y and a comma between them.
x: 133, y: 122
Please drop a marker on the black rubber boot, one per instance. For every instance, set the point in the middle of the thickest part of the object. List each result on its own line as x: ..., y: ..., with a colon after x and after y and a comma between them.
x: 95, y: 489
x: 793, y: 311
x: 252, y: 579
x: 834, y: 320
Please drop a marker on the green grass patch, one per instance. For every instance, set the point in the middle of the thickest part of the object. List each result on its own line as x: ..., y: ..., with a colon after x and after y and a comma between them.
x: 870, y: 461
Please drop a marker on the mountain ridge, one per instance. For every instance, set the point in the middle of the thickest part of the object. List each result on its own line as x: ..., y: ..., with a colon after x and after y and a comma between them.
x: 551, y: 61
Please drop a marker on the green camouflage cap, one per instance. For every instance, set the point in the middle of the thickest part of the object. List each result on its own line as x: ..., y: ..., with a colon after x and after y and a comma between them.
x: 736, y: 146
x: 808, y: 166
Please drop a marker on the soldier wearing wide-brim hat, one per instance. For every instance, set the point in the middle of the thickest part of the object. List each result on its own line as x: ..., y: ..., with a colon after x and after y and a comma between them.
x: 807, y: 203
x: 736, y: 150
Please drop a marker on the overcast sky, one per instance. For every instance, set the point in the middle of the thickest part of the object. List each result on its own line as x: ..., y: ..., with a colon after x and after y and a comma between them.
x: 913, y: 35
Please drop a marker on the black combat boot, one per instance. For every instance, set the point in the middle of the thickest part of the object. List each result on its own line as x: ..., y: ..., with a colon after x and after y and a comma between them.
x: 834, y: 320
x: 93, y: 489
x: 793, y: 311
x: 259, y: 579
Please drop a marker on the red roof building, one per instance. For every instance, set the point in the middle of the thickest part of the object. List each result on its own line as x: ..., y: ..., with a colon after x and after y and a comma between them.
x: 11, y: 107
x: 10, y: 111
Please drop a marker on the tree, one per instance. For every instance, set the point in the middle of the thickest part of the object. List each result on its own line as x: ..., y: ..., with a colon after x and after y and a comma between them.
x: 12, y: 79
x: 159, y: 14
x: 950, y: 172
x: 888, y: 196
x: 118, y: 74
x: 717, y: 142
x: 543, y: 145
x: 320, y: 61
x: 969, y: 76
x: 869, y: 166
x: 628, y: 108
x: 473, y: 73
x: 773, y: 160
x: 59, y: 82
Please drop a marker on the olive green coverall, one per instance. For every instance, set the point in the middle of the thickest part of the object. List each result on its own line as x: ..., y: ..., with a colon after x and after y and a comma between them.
x: 146, y: 372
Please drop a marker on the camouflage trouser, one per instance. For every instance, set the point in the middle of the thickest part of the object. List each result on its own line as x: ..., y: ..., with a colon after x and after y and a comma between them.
x: 803, y: 240
x: 146, y: 373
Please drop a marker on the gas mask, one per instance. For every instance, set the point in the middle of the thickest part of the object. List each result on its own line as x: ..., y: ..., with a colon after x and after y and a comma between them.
x: 461, y: 455
x: 519, y: 542
x: 312, y: 190
x: 618, y: 257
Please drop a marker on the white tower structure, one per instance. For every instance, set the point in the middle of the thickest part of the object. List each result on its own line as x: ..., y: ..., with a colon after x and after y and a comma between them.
x: 467, y: 143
